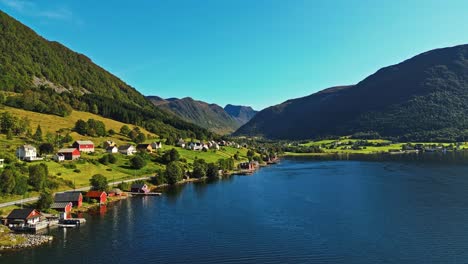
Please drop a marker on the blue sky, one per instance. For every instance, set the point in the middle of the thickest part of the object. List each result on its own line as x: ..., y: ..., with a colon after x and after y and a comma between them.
x: 249, y: 52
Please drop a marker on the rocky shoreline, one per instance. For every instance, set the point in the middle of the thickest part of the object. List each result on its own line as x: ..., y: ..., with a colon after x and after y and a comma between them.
x: 29, y: 241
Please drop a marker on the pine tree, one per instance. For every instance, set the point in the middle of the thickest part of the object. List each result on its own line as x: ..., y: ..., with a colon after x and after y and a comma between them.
x: 38, y: 135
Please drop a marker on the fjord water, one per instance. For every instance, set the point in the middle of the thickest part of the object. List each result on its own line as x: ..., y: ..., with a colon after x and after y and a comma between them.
x: 299, y: 211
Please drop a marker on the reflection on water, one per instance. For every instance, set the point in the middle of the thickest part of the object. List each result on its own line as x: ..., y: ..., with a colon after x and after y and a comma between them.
x: 300, y: 211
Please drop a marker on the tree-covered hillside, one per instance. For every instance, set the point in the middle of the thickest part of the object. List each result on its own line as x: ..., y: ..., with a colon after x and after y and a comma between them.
x: 47, y: 77
x: 423, y: 98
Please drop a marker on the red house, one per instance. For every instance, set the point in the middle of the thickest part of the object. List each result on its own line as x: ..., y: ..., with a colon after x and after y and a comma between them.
x: 70, y: 153
x: 99, y: 196
x: 62, y: 206
x: 247, y: 166
x: 84, y: 145
x: 76, y: 198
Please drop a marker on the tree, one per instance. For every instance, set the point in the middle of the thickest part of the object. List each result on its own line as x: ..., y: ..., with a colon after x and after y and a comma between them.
x: 46, y: 148
x: 38, y: 135
x: 112, y: 158
x: 174, y: 172
x: 81, y: 127
x: 7, y: 181
x: 140, y: 138
x: 124, y: 130
x: 138, y: 162
x: 170, y: 156
x: 212, y: 172
x: 99, y: 182
x: 199, y: 168
x: 38, y: 176
x: 45, y: 200
x: 94, y: 109
x: 21, y: 186
x: 250, y: 154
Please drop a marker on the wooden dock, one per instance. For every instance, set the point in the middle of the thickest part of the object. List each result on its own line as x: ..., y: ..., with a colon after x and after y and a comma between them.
x: 146, y: 194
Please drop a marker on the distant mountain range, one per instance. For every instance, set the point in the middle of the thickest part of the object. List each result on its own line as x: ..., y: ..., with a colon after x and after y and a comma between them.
x: 209, y: 116
x: 422, y: 98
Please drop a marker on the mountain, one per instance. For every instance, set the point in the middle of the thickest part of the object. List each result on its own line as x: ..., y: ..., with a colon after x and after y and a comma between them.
x: 47, y: 77
x: 210, y: 116
x: 422, y: 98
x: 242, y: 114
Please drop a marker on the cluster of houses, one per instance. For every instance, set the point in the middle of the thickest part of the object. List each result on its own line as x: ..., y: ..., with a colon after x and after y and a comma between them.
x: 129, y: 149
x: 64, y: 203
x: 29, y: 152
x: 197, y: 145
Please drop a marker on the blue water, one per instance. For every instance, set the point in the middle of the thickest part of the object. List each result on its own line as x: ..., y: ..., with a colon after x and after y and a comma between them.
x: 296, y: 212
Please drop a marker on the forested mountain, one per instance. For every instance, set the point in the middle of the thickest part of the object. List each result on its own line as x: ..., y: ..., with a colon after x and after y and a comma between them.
x: 210, y: 116
x: 423, y: 98
x: 242, y: 114
x: 47, y: 77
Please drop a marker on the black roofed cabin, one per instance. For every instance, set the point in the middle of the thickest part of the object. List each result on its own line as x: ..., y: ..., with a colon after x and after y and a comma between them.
x: 21, y: 217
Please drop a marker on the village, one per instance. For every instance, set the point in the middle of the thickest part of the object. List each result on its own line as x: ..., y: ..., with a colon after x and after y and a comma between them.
x: 63, y: 209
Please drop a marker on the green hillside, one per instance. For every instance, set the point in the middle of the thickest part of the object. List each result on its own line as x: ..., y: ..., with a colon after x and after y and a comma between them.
x: 47, y: 77
x: 424, y: 98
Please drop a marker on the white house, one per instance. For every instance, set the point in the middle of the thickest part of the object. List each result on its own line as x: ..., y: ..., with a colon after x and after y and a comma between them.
x: 180, y: 143
x: 195, y: 146
x: 112, y: 149
x: 59, y: 157
x: 127, y: 149
x: 156, y: 145
x: 26, y: 152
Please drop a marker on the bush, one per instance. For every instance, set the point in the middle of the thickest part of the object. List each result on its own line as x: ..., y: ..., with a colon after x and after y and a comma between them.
x: 138, y: 162
x: 77, y: 170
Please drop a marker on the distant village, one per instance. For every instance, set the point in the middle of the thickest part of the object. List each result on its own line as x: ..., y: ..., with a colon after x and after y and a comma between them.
x: 30, y: 219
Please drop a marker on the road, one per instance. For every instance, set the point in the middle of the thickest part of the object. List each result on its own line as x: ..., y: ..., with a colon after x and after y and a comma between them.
x: 33, y: 199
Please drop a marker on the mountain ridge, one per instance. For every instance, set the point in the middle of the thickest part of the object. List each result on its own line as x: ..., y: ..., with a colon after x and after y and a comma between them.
x: 208, y: 115
x: 421, y: 98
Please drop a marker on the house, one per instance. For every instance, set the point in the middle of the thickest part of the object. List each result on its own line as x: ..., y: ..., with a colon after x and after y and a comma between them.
x: 127, y: 149
x: 76, y: 198
x: 108, y: 143
x: 27, y: 216
x: 112, y: 149
x: 2, y: 161
x: 139, y: 188
x: 62, y: 206
x: 59, y: 157
x: 156, y: 145
x: 69, y: 153
x: 246, y: 166
x: 84, y: 145
x: 195, y: 146
x: 115, y: 192
x: 26, y: 152
x: 145, y: 147
x: 180, y: 143
x: 99, y: 196
x: 215, y: 145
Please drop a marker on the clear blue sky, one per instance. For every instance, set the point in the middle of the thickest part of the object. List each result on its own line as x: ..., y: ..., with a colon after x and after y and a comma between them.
x: 249, y: 52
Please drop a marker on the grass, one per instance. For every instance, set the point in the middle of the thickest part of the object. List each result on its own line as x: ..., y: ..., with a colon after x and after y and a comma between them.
x: 52, y: 123
x: 7, y: 239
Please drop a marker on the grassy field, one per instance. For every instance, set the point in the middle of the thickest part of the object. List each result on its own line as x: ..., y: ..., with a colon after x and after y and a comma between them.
x: 342, y: 146
x: 52, y: 123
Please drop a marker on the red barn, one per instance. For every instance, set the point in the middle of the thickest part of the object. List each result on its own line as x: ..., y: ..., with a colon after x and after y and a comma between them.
x: 84, y: 145
x: 76, y: 198
x: 70, y: 153
x: 62, y: 207
x: 99, y: 196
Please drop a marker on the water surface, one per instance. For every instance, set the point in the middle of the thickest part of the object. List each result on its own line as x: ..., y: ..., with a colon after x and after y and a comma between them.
x: 299, y: 211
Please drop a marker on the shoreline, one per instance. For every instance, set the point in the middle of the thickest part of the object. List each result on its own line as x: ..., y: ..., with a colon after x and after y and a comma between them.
x: 36, y: 240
